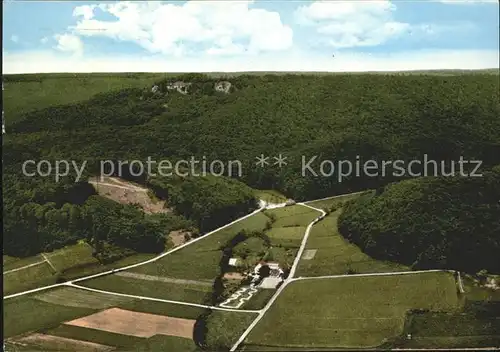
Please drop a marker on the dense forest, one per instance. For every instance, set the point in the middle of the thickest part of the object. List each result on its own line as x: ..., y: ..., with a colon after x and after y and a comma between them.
x: 336, y: 117
x: 428, y: 223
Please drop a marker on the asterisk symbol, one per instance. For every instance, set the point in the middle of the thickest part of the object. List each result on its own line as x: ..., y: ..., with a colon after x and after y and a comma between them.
x: 280, y: 160
x: 262, y: 160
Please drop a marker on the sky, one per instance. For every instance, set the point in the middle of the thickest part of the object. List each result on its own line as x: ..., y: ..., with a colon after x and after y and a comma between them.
x: 266, y: 35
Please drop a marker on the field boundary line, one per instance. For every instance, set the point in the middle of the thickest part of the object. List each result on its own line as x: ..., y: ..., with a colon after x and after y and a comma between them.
x: 24, y: 267
x: 460, y: 283
x: 287, y: 281
x: 49, y: 262
x: 146, y: 298
x: 390, y: 273
x: 144, y: 277
x: 161, y: 255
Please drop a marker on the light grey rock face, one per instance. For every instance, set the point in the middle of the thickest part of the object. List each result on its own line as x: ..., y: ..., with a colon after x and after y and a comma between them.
x: 155, y: 89
x: 222, y: 86
x: 181, y: 87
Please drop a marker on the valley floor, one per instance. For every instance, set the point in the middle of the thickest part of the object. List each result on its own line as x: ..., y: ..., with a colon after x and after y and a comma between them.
x: 335, y: 296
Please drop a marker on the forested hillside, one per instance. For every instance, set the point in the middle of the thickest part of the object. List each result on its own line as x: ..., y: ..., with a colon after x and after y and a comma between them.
x: 428, y: 223
x: 379, y: 117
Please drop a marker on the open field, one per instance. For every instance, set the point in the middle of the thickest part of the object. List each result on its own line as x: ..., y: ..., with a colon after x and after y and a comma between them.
x: 259, y: 300
x: 23, y: 314
x: 351, y: 311
x: 61, y: 260
x: 94, y: 335
x: 73, y: 297
x: 224, y: 329
x: 137, y: 324
x: 12, y: 263
x: 72, y: 256
x: 477, y: 325
x: 172, y: 310
x: 28, y: 278
x: 286, y: 236
x: 200, y: 261
x: 162, y: 343
x: 334, y: 255
x: 291, y: 216
x: 165, y: 290
x: 69, y: 263
x: 57, y: 343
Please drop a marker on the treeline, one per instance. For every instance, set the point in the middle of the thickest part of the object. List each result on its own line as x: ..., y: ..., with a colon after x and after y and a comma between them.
x: 429, y: 223
x: 42, y: 215
x: 338, y: 117
x: 48, y: 221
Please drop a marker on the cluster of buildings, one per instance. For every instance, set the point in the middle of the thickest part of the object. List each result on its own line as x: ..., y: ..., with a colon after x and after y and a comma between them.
x: 264, y: 275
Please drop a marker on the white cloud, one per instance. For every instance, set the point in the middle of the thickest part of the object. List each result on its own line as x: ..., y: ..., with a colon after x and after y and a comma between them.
x: 85, y: 11
x: 14, y: 38
x: 221, y: 27
x: 35, y: 62
x: 44, y: 40
x: 352, y: 24
x: 69, y: 43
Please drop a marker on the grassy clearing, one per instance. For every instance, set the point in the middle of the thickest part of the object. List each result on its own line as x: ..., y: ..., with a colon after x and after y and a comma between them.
x: 270, y: 196
x: 259, y: 300
x: 64, y: 259
x: 168, y: 309
x: 71, y: 262
x: 74, y: 297
x: 155, y: 289
x: 200, y: 261
x: 26, y: 279
x: 23, y: 314
x: 72, y: 256
x: 86, y: 270
x: 335, y: 255
x: 94, y: 335
x: 51, y: 90
x: 224, y: 328
x: 327, y: 204
x: 10, y: 263
x: 286, y: 236
x: 351, y: 311
x: 162, y: 343
x: 477, y: 325
x: 291, y: 216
